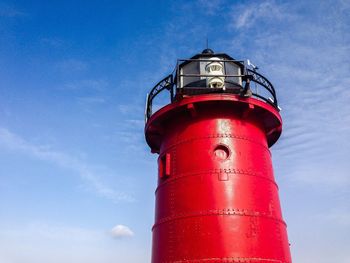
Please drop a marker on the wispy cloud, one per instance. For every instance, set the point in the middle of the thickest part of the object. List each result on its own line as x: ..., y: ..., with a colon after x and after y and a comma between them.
x: 69, y: 65
x: 308, y: 63
x: 247, y: 15
x: 341, y: 218
x: 14, y: 142
x: 128, y: 109
x: 9, y: 11
x: 130, y: 131
x: 86, y: 84
x: 54, y: 42
x: 211, y: 7
x: 91, y: 100
x: 89, y: 103
x: 304, y: 47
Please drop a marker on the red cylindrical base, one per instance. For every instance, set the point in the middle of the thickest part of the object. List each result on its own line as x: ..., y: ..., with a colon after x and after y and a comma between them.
x: 217, y: 200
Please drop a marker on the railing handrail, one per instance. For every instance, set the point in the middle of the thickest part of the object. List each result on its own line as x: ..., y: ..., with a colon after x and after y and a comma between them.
x: 166, y: 83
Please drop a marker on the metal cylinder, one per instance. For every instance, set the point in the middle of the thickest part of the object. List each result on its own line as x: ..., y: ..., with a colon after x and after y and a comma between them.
x: 217, y: 199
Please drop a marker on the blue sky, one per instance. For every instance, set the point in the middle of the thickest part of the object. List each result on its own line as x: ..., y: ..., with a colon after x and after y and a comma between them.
x: 76, y: 177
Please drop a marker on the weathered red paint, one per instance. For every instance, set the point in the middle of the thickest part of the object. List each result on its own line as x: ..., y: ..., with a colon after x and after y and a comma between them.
x: 217, y: 199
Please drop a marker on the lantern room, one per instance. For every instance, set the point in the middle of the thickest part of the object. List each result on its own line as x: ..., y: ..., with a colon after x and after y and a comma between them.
x: 209, y: 72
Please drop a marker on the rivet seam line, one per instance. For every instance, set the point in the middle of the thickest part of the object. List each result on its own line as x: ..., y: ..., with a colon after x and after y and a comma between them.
x: 229, y: 260
x: 219, y: 212
x: 174, y: 178
x: 219, y: 135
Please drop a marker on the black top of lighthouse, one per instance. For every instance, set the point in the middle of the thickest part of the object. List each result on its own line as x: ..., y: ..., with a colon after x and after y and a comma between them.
x: 209, y: 72
x: 207, y: 51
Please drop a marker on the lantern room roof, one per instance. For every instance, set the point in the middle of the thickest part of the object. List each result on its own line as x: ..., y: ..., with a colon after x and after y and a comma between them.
x: 206, y: 54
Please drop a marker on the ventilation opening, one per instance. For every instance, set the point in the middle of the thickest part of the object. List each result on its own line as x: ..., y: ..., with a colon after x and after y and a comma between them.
x: 221, y: 152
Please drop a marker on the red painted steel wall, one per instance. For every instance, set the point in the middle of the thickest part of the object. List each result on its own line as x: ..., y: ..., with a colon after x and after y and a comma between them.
x: 217, y: 199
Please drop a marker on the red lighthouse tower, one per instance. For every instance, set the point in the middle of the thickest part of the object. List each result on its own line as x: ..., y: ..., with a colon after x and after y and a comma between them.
x: 216, y: 199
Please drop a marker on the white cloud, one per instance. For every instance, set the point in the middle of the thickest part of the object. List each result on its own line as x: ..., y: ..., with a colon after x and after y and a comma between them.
x: 14, y: 142
x: 121, y: 231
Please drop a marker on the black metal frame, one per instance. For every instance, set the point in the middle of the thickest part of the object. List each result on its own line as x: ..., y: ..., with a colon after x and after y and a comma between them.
x: 248, y: 76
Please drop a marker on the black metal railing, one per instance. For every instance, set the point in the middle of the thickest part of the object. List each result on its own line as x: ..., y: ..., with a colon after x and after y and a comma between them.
x: 165, y: 84
x: 243, y: 88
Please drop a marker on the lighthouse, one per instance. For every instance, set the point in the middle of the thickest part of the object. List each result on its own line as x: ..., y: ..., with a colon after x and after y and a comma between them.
x: 216, y: 197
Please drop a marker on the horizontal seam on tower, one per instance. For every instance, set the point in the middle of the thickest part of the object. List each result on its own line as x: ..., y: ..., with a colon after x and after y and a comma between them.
x: 218, y: 212
x: 174, y: 178
x: 229, y: 260
x: 219, y: 135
